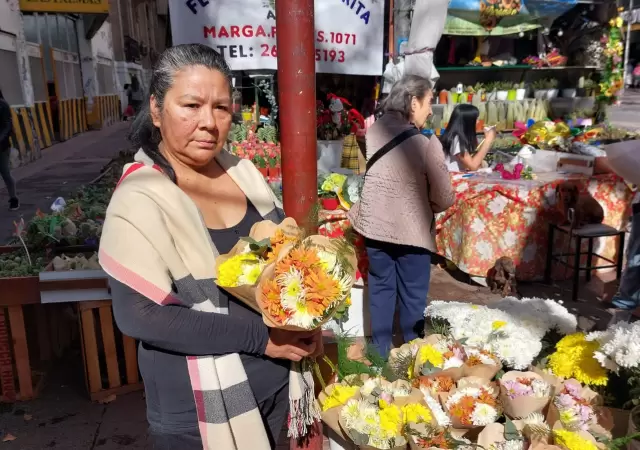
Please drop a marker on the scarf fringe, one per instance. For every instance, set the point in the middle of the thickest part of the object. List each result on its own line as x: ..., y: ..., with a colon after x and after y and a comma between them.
x: 305, y: 411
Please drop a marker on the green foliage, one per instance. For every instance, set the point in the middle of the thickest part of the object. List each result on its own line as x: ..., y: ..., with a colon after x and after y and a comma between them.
x: 268, y: 133
x: 238, y: 132
x: 16, y: 264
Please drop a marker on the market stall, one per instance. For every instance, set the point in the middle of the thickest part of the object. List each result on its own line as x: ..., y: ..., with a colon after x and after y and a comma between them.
x: 493, y: 218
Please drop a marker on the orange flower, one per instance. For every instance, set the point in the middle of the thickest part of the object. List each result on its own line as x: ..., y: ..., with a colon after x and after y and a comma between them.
x: 278, y: 241
x: 474, y: 360
x: 271, y: 299
x: 321, y: 287
x: 300, y: 258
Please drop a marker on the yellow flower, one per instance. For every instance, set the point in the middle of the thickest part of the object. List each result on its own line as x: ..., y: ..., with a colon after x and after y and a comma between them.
x: 619, y: 22
x: 573, y: 358
x: 390, y: 421
x: 244, y: 268
x: 572, y: 441
x: 339, y: 395
x: 497, y: 324
x: 429, y: 354
x: 416, y: 413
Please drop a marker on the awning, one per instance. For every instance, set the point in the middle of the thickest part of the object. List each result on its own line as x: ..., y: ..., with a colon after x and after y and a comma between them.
x: 500, y: 17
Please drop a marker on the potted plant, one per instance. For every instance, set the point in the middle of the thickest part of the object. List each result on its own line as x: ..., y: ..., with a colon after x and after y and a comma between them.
x: 569, y: 92
x: 328, y: 200
x: 521, y: 92
x: 491, y: 91
x: 547, y: 88
x: 502, y: 90
x: 333, y: 124
x: 247, y: 114
x: 261, y: 163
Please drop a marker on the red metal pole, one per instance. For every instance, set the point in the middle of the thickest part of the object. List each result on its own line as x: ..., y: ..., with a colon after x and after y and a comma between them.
x: 297, y: 93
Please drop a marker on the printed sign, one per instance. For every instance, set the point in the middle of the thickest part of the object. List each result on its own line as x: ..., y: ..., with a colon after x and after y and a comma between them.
x: 349, y: 33
x: 66, y: 6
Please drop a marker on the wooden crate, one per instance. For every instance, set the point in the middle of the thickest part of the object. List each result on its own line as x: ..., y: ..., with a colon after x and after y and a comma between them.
x: 110, y: 358
x: 31, y: 336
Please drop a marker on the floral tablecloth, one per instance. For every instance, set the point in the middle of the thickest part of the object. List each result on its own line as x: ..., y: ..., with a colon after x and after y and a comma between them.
x: 491, y: 219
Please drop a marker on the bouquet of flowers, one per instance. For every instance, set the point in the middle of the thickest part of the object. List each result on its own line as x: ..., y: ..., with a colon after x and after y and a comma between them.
x: 239, y: 270
x: 432, y: 388
x: 575, y: 357
x: 480, y: 363
x: 574, y: 407
x: 307, y: 284
x: 618, y: 346
x: 332, y: 399
x: 472, y: 404
x: 438, y: 354
x: 523, y: 393
x: 423, y: 437
x: 382, y: 422
x: 336, y: 122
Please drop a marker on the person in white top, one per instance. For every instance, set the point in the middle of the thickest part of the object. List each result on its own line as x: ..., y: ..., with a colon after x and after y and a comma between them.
x: 460, y: 140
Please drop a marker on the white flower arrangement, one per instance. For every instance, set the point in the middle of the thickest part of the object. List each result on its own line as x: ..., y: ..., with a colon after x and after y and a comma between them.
x: 511, y: 329
x: 508, y: 445
x: 391, y: 389
x: 619, y: 346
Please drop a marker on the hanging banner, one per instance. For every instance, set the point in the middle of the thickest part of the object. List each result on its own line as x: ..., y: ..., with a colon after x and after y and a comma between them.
x: 499, y: 17
x: 349, y: 33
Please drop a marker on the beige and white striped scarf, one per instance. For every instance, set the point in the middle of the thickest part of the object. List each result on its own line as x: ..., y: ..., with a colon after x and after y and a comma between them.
x: 154, y: 238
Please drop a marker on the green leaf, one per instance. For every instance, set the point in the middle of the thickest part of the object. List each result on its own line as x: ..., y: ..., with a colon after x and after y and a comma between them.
x: 360, y: 439
x: 511, y: 433
x: 428, y: 369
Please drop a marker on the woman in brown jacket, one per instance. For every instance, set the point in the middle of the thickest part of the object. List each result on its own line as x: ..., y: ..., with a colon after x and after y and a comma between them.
x: 406, y: 183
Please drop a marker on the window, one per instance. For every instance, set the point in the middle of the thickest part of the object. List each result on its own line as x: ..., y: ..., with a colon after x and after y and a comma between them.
x: 30, y: 28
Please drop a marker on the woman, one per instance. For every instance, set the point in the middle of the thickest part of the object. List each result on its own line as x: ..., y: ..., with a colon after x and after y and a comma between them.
x: 184, y: 201
x: 136, y: 93
x: 460, y: 140
x: 6, y: 128
x: 406, y: 183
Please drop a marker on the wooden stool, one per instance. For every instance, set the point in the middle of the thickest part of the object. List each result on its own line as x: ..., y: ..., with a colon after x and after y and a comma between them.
x: 588, y: 232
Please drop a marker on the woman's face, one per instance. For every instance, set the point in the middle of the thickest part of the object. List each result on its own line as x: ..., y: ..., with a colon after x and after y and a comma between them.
x: 196, y: 116
x: 421, y: 109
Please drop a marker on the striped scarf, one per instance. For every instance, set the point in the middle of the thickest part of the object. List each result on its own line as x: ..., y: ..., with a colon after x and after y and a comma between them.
x: 153, y: 239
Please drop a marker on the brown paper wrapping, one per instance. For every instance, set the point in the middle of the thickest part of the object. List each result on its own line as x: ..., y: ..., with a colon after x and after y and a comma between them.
x: 484, y: 371
x: 331, y: 417
x: 269, y: 271
x: 259, y: 231
x: 521, y: 407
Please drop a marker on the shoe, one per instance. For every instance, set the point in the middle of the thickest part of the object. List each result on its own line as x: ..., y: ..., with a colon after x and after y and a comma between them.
x: 14, y: 204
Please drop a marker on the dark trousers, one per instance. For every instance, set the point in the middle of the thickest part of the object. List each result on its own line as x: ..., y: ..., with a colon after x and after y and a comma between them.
x: 628, y: 296
x: 274, y: 412
x: 397, y: 272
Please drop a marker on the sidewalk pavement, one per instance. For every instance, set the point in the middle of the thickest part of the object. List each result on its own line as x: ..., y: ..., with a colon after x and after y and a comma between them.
x: 61, y: 170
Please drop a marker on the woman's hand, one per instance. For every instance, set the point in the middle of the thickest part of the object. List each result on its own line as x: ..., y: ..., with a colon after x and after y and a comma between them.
x: 294, y: 345
x: 490, y: 134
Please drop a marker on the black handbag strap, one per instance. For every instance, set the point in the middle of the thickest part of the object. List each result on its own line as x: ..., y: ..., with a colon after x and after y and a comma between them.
x: 393, y: 143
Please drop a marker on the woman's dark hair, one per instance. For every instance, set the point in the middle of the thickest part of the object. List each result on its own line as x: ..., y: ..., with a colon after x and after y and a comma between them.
x: 144, y: 134
x: 462, y: 125
x: 399, y: 99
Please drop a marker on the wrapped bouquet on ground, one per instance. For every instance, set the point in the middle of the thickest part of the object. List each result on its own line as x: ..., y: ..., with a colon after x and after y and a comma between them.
x: 514, y: 375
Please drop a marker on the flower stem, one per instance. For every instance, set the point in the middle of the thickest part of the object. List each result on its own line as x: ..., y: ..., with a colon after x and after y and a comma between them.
x: 316, y: 368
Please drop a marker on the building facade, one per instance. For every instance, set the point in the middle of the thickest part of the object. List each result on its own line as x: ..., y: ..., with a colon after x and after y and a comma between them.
x: 65, y: 64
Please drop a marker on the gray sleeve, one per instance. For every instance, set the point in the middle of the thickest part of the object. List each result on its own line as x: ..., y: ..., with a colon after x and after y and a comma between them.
x: 183, y: 330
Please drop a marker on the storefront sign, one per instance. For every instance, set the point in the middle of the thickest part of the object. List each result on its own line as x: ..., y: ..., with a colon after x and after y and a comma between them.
x: 349, y: 33
x: 66, y: 6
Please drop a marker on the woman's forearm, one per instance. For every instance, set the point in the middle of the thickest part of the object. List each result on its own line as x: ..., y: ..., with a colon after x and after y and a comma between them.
x: 474, y: 162
x: 183, y: 330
